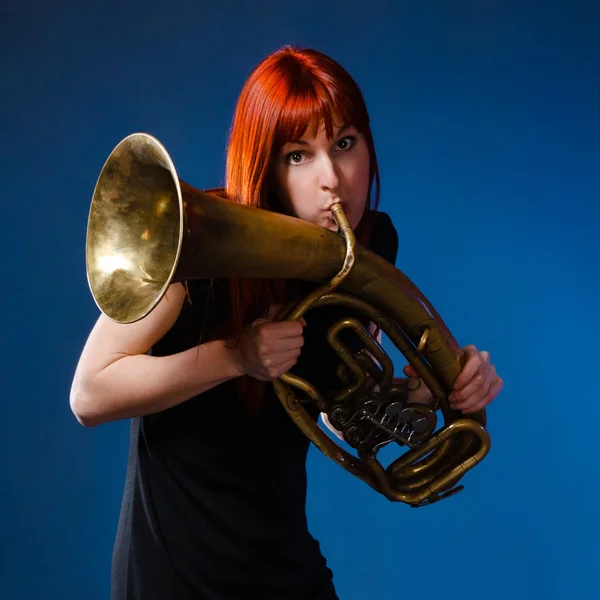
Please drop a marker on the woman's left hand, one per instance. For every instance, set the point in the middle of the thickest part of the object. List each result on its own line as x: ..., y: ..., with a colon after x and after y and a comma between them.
x: 477, y: 384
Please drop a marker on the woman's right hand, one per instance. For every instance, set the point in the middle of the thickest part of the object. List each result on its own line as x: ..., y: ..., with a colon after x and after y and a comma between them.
x: 266, y: 350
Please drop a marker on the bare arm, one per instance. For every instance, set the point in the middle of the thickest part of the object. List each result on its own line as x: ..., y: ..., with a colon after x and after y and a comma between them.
x: 116, y: 379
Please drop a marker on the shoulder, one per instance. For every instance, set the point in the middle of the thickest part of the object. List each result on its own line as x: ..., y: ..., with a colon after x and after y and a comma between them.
x: 383, y: 238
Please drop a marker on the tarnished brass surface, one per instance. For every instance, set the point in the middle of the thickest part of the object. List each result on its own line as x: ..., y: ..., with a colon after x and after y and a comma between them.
x: 148, y: 229
x: 135, y: 229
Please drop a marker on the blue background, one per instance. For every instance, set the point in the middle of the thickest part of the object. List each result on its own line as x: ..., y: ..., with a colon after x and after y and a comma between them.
x: 485, y: 116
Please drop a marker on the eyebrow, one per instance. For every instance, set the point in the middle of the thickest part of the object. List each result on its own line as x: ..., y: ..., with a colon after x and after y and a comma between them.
x: 303, y: 143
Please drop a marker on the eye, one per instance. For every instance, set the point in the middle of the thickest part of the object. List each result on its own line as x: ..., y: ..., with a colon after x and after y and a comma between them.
x: 347, y: 142
x: 294, y: 158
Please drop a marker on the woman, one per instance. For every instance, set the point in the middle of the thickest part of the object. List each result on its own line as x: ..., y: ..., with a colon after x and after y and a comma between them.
x: 214, y: 501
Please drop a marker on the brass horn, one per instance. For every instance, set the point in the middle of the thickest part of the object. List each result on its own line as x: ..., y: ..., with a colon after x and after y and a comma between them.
x: 147, y: 229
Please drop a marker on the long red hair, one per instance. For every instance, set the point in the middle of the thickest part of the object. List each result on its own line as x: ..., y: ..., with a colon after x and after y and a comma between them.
x: 283, y: 95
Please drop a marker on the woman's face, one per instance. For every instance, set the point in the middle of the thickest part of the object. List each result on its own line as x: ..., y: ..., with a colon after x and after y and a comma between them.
x: 313, y: 173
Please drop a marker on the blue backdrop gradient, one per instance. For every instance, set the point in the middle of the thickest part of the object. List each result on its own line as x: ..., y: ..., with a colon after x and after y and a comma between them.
x: 485, y: 117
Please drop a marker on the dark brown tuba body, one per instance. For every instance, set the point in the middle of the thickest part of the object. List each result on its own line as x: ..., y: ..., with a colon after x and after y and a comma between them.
x: 148, y: 229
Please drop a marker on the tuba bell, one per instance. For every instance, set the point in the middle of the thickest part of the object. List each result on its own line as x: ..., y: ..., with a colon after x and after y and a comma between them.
x: 148, y: 229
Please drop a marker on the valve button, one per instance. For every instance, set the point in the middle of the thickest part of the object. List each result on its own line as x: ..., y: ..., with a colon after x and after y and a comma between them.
x: 420, y: 425
x: 394, y: 409
x: 406, y: 416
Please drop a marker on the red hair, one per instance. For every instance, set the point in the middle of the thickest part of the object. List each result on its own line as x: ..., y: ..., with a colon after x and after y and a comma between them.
x: 284, y: 94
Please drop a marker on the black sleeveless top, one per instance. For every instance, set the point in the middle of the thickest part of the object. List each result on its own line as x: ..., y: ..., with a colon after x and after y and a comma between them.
x: 214, y: 500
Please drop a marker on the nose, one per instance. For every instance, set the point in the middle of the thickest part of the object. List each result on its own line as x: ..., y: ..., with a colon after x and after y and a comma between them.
x: 329, y: 179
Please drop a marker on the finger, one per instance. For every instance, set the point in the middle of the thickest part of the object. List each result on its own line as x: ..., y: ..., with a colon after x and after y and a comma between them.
x: 496, y: 388
x: 409, y: 371
x: 480, y: 406
x: 487, y: 399
x: 276, y: 360
x: 485, y: 361
x: 477, y: 407
x: 277, y: 351
x: 472, y: 364
x: 471, y: 401
x: 291, y: 344
x: 260, y: 321
x: 475, y: 391
x: 283, y: 329
x: 479, y: 384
